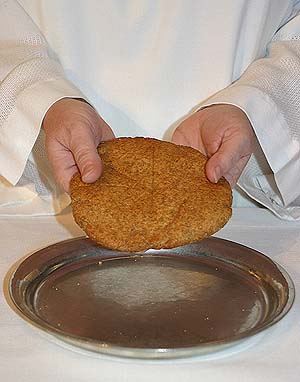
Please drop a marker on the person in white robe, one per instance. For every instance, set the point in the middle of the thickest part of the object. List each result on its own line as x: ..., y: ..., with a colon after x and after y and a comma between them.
x: 221, y: 76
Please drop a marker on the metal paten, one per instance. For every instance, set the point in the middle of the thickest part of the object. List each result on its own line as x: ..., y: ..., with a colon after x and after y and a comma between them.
x: 191, y: 300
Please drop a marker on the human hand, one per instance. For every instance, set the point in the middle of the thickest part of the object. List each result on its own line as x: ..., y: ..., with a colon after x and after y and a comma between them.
x: 224, y: 134
x: 73, y: 130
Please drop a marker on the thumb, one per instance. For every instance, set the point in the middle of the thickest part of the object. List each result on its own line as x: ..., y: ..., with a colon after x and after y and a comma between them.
x: 228, y: 161
x: 84, y: 149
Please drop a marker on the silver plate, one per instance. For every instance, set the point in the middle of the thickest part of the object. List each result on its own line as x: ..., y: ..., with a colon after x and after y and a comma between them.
x: 190, y: 300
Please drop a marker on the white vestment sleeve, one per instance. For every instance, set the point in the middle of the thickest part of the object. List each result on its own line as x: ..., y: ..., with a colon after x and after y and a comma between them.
x: 31, y: 80
x: 269, y: 93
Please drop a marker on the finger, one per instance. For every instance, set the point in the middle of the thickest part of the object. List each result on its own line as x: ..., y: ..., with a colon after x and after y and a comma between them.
x: 192, y: 133
x: 180, y: 137
x: 230, y: 153
x: 212, y: 141
x: 84, y: 149
x: 233, y: 175
x: 106, y: 132
x: 86, y: 155
x: 64, y: 174
x: 63, y: 164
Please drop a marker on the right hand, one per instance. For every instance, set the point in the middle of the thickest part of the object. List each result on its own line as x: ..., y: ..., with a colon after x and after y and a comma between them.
x: 73, y: 130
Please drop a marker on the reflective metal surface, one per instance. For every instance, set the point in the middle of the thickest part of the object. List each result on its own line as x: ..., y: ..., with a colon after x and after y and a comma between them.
x: 190, y: 300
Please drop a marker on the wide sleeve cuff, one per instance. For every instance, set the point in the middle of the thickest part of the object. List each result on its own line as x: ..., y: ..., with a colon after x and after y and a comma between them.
x: 20, y: 130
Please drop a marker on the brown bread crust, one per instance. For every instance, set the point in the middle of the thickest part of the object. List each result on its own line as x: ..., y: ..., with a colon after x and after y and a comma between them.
x: 152, y: 194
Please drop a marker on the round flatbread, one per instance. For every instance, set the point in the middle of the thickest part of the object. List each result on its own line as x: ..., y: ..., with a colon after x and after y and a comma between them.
x: 152, y: 194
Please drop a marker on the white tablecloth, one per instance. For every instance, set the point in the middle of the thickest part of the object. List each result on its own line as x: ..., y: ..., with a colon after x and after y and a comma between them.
x: 25, y: 355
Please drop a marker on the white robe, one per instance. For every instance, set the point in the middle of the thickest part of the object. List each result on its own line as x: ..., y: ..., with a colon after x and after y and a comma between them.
x: 145, y: 65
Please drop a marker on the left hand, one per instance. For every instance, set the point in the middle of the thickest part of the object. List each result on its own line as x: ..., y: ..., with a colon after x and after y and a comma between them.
x: 224, y: 134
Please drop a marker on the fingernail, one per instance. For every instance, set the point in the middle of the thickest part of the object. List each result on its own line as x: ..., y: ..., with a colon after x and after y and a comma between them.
x: 217, y: 174
x: 88, y: 177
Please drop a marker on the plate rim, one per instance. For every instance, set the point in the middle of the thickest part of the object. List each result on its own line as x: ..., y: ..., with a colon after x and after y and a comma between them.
x: 107, y: 348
